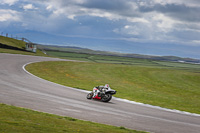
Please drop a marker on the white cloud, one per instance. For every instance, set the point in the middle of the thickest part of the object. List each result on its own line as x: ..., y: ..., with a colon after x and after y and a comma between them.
x: 156, y: 22
x: 9, y: 15
x: 191, y: 3
x: 127, y: 26
x: 196, y: 42
x: 9, y: 2
x: 49, y: 7
x: 141, y: 20
x: 163, y: 23
x: 133, y: 31
x: 29, y: 7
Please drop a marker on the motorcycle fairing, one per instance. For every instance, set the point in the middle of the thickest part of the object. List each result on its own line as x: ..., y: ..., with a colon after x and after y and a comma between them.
x: 95, y: 96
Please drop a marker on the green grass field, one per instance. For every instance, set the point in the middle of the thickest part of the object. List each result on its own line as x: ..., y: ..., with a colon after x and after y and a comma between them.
x: 166, y: 86
x: 20, y: 120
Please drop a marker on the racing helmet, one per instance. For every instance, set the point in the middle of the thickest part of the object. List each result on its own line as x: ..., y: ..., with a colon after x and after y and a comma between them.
x: 107, y: 86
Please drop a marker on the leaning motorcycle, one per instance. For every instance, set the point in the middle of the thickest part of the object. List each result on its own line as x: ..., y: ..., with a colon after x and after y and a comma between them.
x: 105, y: 95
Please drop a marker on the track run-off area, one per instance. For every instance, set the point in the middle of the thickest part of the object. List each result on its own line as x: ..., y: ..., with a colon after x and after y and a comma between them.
x: 20, y: 88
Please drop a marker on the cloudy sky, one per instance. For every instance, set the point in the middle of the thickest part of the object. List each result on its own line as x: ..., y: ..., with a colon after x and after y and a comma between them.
x: 153, y: 27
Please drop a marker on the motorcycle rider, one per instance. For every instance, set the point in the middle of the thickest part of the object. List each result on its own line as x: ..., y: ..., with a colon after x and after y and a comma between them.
x: 107, y: 86
x: 101, y: 90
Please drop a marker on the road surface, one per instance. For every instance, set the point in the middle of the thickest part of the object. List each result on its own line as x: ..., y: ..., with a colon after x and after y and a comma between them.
x: 19, y: 88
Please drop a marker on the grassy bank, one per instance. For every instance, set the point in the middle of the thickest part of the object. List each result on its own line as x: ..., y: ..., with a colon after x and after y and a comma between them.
x: 14, y: 119
x: 13, y: 46
x: 170, y: 87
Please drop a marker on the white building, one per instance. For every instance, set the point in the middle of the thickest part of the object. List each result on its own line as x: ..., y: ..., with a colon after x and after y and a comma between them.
x: 31, y: 47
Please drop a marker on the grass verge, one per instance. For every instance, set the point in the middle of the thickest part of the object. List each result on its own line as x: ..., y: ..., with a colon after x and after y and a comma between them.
x: 15, y: 119
x: 166, y: 87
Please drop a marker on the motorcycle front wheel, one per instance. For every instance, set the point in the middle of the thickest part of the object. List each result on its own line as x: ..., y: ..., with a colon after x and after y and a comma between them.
x: 89, y: 96
x: 106, y: 98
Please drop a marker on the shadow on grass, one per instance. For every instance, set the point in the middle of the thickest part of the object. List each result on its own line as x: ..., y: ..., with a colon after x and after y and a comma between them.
x: 11, y: 47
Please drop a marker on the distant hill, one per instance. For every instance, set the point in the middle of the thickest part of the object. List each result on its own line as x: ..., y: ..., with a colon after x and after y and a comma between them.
x: 71, y: 49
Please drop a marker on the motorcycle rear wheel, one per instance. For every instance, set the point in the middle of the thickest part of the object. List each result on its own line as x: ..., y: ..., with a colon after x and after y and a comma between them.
x: 106, y: 98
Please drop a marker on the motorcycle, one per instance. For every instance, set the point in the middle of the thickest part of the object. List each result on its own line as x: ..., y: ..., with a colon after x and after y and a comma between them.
x: 101, y: 93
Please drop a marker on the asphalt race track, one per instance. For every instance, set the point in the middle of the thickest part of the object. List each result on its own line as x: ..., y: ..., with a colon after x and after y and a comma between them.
x: 19, y: 88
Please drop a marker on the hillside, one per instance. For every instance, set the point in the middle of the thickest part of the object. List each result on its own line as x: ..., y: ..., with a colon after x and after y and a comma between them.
x: 14, y: 46
x: 79, y: 50
x: 6, y: 42
x: 10, y: 45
